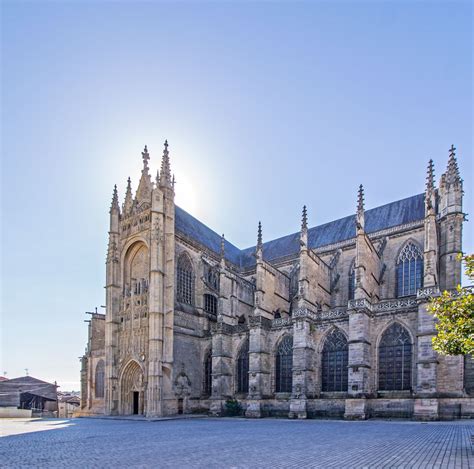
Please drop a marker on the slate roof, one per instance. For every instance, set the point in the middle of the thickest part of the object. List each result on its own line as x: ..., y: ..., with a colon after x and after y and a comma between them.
x: 386, y: 216
x: 11, y: 389
x: 198, y: 231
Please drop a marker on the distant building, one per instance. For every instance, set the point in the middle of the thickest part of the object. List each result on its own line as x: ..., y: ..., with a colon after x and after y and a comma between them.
x: 28, y: 396
x: 330, y: 320
x: 67, y: 404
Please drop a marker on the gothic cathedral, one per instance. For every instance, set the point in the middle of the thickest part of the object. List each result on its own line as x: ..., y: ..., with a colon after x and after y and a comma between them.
x: 329, y: 321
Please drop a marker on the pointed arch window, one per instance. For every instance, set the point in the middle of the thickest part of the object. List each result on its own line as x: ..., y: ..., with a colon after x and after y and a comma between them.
x: 207, y: 385
x: 395, y: 359
x: 284, y: 365
x: 335, y: 362
x: 185, y: 280
x: 243, y: 369
x: 352, y: 281
x: 409, y: 270
x: 99, y: 379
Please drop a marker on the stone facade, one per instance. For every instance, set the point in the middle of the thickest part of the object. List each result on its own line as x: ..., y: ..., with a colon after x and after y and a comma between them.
x: 329, y: 321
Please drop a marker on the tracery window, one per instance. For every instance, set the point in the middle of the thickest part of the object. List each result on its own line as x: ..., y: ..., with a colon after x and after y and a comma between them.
x: 208, y: 374
x: 243, y: 369
x: 335, y: 362
x: 185, y: 280
x: 284, y: 365
x: 211, y: 276
x: 352, y: 281
x: 210, y: 304
x: 395, y: 356
x: 99, y: 379
x: 409, y: 270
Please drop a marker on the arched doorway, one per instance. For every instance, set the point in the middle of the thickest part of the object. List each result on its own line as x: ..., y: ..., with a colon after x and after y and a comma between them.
x: 131, y: 390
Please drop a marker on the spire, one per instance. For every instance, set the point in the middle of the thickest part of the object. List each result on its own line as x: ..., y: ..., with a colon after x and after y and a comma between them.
x: 222, y: 253
x: 259, y: 236
x: 165, y: 171
x: 430, y: 181
x: 452, y: 174
x: 259, y: 247
x: 360, y: 217
x: 145, y: 157
x: 144, y: 186
x: 430, y: 186
x: 128, y: 203
x: 360, y: 199
x: 115, y: 202
x: 304, y: 228
x: 304, y: 219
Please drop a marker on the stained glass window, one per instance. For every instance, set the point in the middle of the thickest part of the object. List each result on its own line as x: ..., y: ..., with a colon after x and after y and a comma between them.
x: 99, y: 379
x: 243, y: 369
x: 409, y: 270
x: 185, y: 280
x: 395, y: 357
x: 208, y: 374
x: 284, y: 365
x: 352, y: 281
x: 335, y: 362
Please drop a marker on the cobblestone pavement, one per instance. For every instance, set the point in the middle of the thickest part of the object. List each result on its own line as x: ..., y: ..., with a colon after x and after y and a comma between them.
x: 240, y: 443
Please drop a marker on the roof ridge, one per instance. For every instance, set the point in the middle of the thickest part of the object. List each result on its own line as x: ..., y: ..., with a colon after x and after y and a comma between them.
x: 391, y: 214
x: 335, y: 220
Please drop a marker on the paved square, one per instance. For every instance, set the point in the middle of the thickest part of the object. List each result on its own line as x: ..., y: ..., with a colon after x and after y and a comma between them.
x: 239, y: 443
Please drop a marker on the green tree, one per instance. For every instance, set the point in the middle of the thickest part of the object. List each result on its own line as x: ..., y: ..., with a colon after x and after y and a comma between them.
x: 454, y: 312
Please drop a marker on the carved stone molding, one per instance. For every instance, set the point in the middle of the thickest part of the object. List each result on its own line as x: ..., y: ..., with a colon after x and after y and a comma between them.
x: 281, y: 322
x: 360, y: 303
x: 301, y: 313
x: 332, y: 314
x: 259, y: 321
x: 427, y: 292
x: 394, y: 305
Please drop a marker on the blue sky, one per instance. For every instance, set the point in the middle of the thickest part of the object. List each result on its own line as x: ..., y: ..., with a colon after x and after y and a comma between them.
x: 266, y: 106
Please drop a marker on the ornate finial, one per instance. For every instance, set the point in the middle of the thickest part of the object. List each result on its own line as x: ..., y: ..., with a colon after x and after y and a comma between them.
x: 165, y: 171
x: 128, y: 202
x: 115, y: 203
x: 222, y: 246
x: 259, y: 235
x: 452, y: 174
x: 360, y: 216
x: 430, y: 180
x: 360, y: 199
x: 430, y: 186
x: 145, y: 157
x: 173, y: 181
x: 304, y: 219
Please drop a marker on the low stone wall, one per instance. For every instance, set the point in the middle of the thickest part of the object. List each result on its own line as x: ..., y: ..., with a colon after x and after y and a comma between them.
x: 13, y: 412
x: 452, y: 408
x: 390, y: 408
x: 326, y: 408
